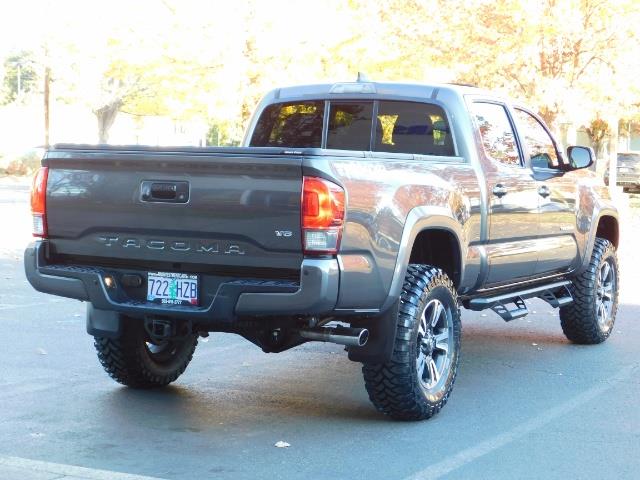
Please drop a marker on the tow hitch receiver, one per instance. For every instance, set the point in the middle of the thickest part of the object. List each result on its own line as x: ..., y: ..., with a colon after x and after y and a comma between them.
x: 160, y: 329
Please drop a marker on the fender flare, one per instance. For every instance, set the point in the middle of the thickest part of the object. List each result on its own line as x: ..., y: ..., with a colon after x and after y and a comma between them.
x: 419, y: 219
x: 603, y: 212
x: 383, y: 327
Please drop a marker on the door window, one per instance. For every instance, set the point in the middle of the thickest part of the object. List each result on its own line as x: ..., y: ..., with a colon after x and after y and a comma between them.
x: 497, y: 135
x: 539, y: 144
x: 350, y: 125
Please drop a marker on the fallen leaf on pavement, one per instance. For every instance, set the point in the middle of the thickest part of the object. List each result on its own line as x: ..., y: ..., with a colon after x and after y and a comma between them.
x: 282, y: 444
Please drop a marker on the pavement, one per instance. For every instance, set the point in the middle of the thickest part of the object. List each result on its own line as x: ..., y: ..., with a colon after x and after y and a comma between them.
x: 527, y: 404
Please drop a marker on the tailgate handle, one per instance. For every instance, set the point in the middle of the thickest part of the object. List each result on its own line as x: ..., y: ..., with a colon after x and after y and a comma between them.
x: 174, y: 192
x: 164, y: 191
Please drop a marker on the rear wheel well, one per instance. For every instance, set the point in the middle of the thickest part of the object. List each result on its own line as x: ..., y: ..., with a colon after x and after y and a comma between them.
x: 438, y: 248
x: 608, y: 229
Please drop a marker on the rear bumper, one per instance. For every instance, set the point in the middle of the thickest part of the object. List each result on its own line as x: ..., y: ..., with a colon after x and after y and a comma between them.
x: 225, y: 300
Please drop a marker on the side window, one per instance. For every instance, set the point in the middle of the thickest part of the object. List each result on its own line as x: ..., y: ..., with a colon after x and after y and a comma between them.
x: 498, y: 139
x: 350, y: 125
x: 541, y: 149
x: 409, y: 127
x: 297, y: 125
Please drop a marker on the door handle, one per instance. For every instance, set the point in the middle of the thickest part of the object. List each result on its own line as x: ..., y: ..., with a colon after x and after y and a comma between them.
x: 544, y: 191
x: 499, y: 190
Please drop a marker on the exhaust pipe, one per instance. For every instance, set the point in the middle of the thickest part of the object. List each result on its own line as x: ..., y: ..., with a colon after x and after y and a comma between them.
x: 353, y: 337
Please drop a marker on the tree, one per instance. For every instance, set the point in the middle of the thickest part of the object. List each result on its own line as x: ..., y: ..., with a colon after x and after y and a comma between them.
x: 599, y: 131
x: 560, y: 56
x: 20, y: 77
x: 566, y: 58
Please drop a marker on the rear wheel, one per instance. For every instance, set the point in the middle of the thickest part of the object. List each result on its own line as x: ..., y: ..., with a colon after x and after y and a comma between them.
x: 590, y: 318
x: 137, y: 361
x: 415, y: 384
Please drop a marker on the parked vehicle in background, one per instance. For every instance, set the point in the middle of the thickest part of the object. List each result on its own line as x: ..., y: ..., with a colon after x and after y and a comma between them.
x: 628, y: 172
x: 363, y: 214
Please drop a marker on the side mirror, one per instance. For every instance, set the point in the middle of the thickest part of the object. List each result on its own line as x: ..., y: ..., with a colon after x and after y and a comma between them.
x: 580, y: 157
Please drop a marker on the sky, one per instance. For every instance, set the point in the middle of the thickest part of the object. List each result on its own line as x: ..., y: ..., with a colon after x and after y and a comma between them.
x: 25, y: 24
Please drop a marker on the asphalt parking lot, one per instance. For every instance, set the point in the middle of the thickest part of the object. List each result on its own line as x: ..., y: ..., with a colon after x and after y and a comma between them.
x: 527, y: 404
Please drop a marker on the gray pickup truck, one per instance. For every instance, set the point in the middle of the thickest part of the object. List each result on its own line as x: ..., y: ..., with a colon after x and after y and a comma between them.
x: 363, y: 214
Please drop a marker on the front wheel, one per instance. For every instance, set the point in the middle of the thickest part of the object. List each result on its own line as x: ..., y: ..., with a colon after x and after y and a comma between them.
x: 415, y: 384
x: 590, y: 318
x: 137, y: 361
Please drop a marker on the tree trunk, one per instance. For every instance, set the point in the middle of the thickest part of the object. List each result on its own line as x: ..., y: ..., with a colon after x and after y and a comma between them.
x: 106, y: 115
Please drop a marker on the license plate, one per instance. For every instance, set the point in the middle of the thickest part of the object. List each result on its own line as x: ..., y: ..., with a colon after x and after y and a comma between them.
x: 624, y: 170
x: 172, y: 288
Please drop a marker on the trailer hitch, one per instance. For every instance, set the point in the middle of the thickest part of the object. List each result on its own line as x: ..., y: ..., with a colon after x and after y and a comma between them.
x: 160, y: 329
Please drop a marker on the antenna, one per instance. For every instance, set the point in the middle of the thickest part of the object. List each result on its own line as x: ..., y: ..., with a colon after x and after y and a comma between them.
x: 362, y: 77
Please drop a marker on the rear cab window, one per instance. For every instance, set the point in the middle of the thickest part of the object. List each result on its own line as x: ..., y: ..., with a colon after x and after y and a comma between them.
x: 408, y: 127
x: 359, y: 125
x: 350, y: 125
x: 295, y: 124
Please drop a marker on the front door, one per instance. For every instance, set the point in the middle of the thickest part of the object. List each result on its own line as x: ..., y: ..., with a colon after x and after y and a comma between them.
x: 512, y: 198
x: 557, y: 191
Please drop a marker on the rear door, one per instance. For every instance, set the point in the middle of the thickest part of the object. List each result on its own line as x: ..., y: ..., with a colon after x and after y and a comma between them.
x: 512, y: 196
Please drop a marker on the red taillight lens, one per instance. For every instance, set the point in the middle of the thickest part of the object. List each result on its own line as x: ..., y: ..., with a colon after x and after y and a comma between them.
x: 39, y: 202
x: 322, y: 215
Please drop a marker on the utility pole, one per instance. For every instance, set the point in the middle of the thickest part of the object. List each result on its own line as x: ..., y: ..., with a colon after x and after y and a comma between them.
x: 47, y: 82
x: 19, y: 65
x: 613, y: 152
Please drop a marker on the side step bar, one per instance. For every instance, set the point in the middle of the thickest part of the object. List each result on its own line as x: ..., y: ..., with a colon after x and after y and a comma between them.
x: 509, y: 314
x: 555, y: 294
x: 558, y: 299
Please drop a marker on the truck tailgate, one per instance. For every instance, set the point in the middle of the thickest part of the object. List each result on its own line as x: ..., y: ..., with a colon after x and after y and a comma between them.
x: 211, y: 207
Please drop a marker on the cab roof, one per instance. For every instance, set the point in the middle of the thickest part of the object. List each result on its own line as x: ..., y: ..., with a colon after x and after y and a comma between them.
x: 368, y: 89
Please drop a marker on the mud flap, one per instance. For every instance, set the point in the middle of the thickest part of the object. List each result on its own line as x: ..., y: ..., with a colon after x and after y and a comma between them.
x: 382, y: 334
x: 103, y: 323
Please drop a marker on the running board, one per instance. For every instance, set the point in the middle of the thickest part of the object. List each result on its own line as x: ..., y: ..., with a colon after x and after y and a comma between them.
x: 555, y: 294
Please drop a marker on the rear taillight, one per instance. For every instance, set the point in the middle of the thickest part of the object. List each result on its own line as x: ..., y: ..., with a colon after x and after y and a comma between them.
x: 322, y: 216
x: 39, y: 202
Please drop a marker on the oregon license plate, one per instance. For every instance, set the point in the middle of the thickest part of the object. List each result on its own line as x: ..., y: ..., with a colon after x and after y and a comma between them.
x: 172, y: 288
